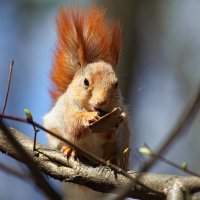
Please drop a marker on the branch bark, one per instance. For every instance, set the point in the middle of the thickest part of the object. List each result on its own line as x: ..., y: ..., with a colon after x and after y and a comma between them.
x: 99, y: 178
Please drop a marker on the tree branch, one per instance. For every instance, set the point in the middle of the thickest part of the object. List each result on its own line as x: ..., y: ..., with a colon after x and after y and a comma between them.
x: 99, y: 178
x: 37, y: 176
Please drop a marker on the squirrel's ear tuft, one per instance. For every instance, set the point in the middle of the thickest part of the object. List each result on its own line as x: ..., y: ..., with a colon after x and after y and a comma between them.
x: 78, y: 18
x: 115, y: 43
x: 70, y: 22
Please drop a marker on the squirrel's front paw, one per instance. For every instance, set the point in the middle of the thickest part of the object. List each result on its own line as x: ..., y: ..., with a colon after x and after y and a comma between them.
x: 90, y: 117
x: 68, y: 151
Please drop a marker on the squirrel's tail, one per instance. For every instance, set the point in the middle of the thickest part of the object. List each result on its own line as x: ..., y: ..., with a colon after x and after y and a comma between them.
x: 84, y: 36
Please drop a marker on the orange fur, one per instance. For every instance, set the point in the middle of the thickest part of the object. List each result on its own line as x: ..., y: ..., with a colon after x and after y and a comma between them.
x: 84, y: 36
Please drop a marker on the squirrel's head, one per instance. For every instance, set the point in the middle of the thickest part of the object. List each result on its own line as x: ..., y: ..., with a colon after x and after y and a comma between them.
x: 95, y: 86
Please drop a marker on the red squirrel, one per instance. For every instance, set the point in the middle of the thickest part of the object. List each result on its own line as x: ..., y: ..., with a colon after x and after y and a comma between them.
x: 86, y: 84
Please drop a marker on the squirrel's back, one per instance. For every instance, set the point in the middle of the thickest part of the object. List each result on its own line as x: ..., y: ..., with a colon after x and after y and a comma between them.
x: 84, y: 36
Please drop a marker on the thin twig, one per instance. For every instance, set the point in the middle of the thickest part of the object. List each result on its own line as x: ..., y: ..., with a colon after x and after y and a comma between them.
x: 29, y: 118
x: 41, y: 182
x: 35, y: 135
x: 173, y: 164
x: 8, y: 86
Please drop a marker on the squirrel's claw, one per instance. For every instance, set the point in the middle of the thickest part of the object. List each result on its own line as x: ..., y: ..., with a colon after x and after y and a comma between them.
x: 68, y: 151
x: 90, y: 117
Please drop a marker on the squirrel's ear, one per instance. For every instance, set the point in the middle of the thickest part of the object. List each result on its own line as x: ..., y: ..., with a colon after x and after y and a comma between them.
x: 115, y: 43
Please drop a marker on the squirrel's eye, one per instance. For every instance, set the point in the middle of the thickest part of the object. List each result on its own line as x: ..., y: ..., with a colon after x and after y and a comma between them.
x: 86, y: 82
x: 116, y: 84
